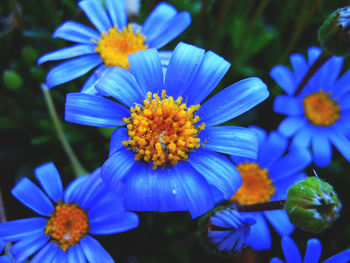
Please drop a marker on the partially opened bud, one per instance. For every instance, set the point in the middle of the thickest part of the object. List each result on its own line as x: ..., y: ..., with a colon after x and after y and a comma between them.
x: 312, y: 205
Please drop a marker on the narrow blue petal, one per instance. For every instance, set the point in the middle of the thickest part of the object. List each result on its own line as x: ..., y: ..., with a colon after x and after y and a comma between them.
x: 313, y: 251
x: 107, y: 206
x: 342, y: 257
x: 47, y: 254
x: 118, y: 136
x: 169, y: 30
x: 31, y: 196
x: 121, y: 85
x: 94, y: 110
x: 280, y: 221
x: 61, y: 257
x: 89, y: 86
x: 68, y: 52
x: 72, y: 190
x: 19, y: 229
x: 233, y: 101
x: 146, y: 67
x: 2, y: 245
x: 272, y: 149
x: 259, y: 237
x: 344, y: 102
x: 97, y: 14
x: 321, y: 149
x: 313, y: 54
x: 341, y: 143
x: 50, y: 180
x: 210, y: 73
x: 117, y: 12
x: 302, y: 138
x: 76, y: 32
x: 183, y: 66
x: 341, y: 86
x: 284, y: 78
x: 261, y: 133
x: 6, y: 259
x: 288, y: 105
x: 290, y: 250
x: 111, y: 224
x: 300, y: 66
x: 165, y: 56
x: 93, y: 250
x: 76, y: 254
x: 290, y: 125
x: 276, y: 260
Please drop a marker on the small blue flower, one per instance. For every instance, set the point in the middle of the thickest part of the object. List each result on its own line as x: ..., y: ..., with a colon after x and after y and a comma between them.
x: 319, y: 115
x: 62, y: 235
x: 148, y: 155
x: 267, y: 179
x: 312, y: 254
x: 112, y: 43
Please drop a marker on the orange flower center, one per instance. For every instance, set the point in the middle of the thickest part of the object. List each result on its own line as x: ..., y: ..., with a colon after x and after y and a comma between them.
x: 256, y: 187
x: 115, y: 46
x: 320, y: 109
x: 163, y: 130
x: 67, y: 225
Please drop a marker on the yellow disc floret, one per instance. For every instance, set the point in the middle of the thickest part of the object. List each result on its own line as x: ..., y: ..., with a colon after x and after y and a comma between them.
x: 115, y: 46
x: 320, y: 109
x: 163, y: 130
x: 67, y: 225
x: 256, y: 187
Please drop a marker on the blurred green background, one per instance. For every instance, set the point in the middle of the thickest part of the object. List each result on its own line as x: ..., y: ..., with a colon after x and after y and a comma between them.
x: 254, y: 35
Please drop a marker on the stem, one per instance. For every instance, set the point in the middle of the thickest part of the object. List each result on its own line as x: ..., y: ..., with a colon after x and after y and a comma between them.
x: 199, y: 22
x: 222, y: 13
x: 273, y: 205
x: 77, y: 167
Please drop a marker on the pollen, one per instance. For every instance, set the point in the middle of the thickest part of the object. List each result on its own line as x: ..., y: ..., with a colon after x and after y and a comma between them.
x: 163, y: 130
x: 115, y: 46
x: 320, y: 109
x: 256, y: 187
x: 67, y: 225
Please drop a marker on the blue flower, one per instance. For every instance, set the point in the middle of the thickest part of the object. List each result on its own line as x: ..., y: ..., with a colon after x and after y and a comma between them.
x: 319, y: 115
x: 4, y: 258
x: 148, y: 155
x: 62, y: 235
x: 312, y: 254
x: 112, y: 43
x: 267, y: 179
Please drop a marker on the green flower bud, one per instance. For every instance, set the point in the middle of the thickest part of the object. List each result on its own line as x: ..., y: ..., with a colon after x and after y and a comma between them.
x: 29, y: 55
x: 312, y: 205
x: 12, y: 80
x: 334, y: 34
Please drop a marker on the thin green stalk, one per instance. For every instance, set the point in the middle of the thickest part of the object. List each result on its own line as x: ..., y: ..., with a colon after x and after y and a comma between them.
x: 77, y: 167
x: 272, y: 205
x: 199, y: 22
x: 224, y: 6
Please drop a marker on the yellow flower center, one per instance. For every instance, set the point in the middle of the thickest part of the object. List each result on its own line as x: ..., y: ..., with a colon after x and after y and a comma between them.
x: 163, y: 130
x: 115, y: 46
x: 67, y: 225
x: 320, y: 109
x: 256, y: 187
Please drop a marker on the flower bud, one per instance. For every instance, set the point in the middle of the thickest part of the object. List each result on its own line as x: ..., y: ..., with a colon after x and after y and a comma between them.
x: 312, y: 205
x: 334, y: 34
x: 12, y: 80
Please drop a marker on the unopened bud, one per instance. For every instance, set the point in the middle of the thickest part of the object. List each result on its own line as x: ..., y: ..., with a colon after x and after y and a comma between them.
x: 12, y: 80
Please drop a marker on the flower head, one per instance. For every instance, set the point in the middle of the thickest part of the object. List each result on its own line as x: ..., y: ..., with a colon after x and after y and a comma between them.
x: 113, y: 41
x: 166, y: 153
x: 312, y: 254
x: 85, y: 207
x: 267, y: 178
x: 319, y: 115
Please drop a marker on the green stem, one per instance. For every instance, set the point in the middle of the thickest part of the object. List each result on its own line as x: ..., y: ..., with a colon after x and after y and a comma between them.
x: 272, y: 205
x: 199, y: 22
x: 77, y: 167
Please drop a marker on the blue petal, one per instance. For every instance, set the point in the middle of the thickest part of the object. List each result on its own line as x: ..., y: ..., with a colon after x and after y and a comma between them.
x: 50, y: 180
x: 344, y: 102
x: 93, y: 250
x: 183, y: 66
x: 233, y: 101
x: 284, y: 78
x: 94, y: 110
x: 302, y: 138
x: 282, y: 185
x: 6, y: 259
x: 300, y: 66
x: 165, y: 56
x: 68, y: 52
x: 71, y: 69
x: 313, y: 251
x: 118, y: 136
x: 96, y: 13
x: 276, y: 260
x: 147, y: 69
x: 76, y: 32
x: 94, y: 78
x: 61, y: 257
x: 280, y: 221
x: 342, y: 257
x: 210, y: 73
x: 31, y: 196
x: 121, y: 85
x: 72, y: 190
x: 19, y: 229
x: 321, y: 149
x: 2, y: 245
x: 259, y: 237
x: 341, y: 86
x: 288, y: 105
x: 261, y: 133
x: 290, y: 250
x: 107, y: 205
x: 290, y: 125
x: 341, y: 143
x: 47, y: 254
x: 313, y: 54
x: 271, y: 149
x: 76, y: 254
x: 117, y: 167
x: 117, y: 12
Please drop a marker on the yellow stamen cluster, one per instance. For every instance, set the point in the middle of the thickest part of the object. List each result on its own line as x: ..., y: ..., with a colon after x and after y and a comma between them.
x: 320, y: 109
x: 163, y: 130
x: 67, y: 225
x: 115, y: 46
x: 256, y: 187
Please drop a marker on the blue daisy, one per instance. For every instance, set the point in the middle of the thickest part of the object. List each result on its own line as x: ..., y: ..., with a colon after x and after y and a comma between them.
x: 267, y: 179
x: 312, y: 254
x: 63, y: 233
x: 112, y: 43
x: 165, y: 125
x: 320, y: 115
